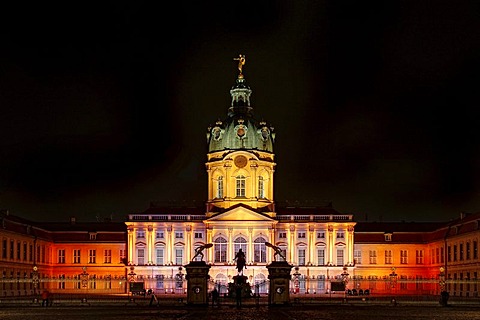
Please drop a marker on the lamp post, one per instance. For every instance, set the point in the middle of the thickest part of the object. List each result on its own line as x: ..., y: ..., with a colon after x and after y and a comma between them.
x: 393, y: 284
x: 444, y: 295
x: 84, y: 281
x: 345, y: 280
x: 131, y: 278
x: 296, y: 274
x: 179, y: 279
x: 35, y: 281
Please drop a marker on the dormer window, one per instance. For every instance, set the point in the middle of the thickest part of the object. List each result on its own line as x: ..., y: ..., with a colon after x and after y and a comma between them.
x: 388, y: 237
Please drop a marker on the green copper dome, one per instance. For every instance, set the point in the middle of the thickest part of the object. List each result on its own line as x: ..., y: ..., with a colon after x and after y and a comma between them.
x: 240, y: 130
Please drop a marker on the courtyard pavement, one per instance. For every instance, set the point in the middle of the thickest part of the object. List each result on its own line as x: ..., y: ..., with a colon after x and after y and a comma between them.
x: 302, y: 307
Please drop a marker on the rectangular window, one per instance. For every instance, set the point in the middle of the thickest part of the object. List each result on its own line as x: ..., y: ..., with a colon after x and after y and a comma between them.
x: 4, y: 249
x: 301, y: 257
x: 12, y: 249
x: 61, y: 281
x: 321, y: 235
x: 475, y: 249
x: 449, y: 254
x: 61, y: 256
x: 178, y: 256
x: 419, y: 256
x: 178, y: 235
x: 372, y: 256
x: 340, y: 261
x: 388, y: 256
x: 123, y: 255
x: 19, y: 250
x: 455, y: 251
x: 159, y: 235
x: 461, y: 252
x: 357, y: 256
x: 282, y: 235
x: 92, y: 256
x: 30, y: 253
x: 467, y: 253
x: 25, y: 251
x: 140, y: 234
x: 340, y: 235
x: 321, y: 257
x: 403, y: 257
x: 198, y: 235
x: 108, y: 256
x: 76, y: 256
x: 159, y: 256
x: 442, y: 255
x: 437, y: 255
x: 301, y: 235
x: 140, y: 257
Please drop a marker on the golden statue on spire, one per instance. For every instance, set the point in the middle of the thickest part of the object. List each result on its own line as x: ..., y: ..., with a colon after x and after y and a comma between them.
x: 241, y: 63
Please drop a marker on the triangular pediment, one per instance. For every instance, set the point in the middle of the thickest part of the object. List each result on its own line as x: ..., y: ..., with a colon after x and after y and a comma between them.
x: 240, y: 213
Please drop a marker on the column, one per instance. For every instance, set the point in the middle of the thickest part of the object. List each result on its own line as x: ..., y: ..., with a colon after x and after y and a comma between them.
x: 150, y: 241
x: 188, y: 243
x: 291, y: 244
x: 131, y: 244
x: 169, y: 244
x: 350, y: 244
x: 330, y: 244
x: 271, y: 239
x: 209, y: 253
x: 253, y: 173
x: 230, y: 253
x: 250, y: 245
x: 311, y: 243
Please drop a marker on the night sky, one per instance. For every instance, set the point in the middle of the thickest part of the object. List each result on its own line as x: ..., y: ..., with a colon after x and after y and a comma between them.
x: 104, y: 106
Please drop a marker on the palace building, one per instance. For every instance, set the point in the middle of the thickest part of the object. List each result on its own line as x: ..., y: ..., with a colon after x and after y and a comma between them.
x: 324, y: 247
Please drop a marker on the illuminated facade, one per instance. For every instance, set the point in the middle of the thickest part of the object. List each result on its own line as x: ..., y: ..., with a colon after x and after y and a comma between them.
x: 64, y: 257
x: 324, y: 246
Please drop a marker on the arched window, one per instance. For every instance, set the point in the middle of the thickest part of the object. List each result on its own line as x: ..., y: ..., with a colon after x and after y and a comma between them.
x: 220, y: 187
x: 240, y: 242
x: 220, y: 249
x: 240, y: 187
x: 261, y: 189
x: 259, y: 250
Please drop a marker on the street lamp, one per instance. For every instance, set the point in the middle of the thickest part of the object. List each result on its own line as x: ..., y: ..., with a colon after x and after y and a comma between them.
x: 393, y: 283
x: 179, y: 279
x: 345, y: 275
x: 35, y: 280
x: 84, y: 280
x: 131, y: 278
x: 296, y: 274
x: 444, y: 295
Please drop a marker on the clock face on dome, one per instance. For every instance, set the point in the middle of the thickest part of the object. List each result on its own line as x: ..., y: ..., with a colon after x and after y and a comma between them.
x: 240, y: 161
x: 241, y: 131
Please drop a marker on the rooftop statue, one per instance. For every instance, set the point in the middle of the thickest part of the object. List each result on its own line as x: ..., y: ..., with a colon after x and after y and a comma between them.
x: 241, y: 63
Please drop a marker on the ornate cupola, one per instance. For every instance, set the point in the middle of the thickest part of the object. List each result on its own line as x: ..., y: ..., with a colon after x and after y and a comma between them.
x: 240, y: 153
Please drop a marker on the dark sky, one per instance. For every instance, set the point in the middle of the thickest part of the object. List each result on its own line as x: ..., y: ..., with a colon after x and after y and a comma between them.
x: 105, y: 105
